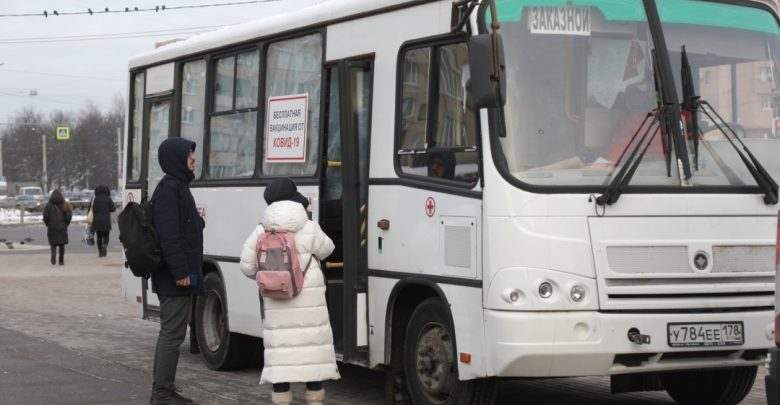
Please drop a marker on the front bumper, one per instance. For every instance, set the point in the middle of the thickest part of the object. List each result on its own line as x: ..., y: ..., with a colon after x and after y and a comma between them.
x: 582, y: 343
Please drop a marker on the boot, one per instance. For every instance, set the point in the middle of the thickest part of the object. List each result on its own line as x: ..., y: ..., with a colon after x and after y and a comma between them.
x: 281, y: 398
x: 53, y: 257
x: 314, y: 397
x: 169, y: 398
x: 194, y: 348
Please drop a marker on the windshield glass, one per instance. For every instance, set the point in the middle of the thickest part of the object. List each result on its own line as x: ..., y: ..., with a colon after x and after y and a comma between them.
x: 580, y: 82
x: 733, y: 52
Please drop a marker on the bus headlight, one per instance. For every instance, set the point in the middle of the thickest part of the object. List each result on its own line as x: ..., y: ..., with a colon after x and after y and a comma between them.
x: 577, y: 293
x: 545, y: 290
x: 513, y: 296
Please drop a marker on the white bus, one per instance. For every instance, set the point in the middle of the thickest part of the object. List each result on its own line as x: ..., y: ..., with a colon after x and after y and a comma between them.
x: 499, y: 208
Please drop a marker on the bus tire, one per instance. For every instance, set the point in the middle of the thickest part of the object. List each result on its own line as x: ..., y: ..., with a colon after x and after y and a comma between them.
x: 430, y: 363
x: 221, y: 349
x: 727, y: 386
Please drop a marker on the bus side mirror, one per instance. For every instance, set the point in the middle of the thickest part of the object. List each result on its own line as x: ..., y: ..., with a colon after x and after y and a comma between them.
x: 487, y: 89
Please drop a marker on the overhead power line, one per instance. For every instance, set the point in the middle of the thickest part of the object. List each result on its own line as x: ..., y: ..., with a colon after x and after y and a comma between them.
x: 60, y: 75
x: 102, y: 37
x: 114, y: 35
x: 106, y: 10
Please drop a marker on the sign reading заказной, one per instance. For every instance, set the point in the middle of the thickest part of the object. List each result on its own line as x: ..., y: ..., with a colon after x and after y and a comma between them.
x: 286, y: 129
x: 559, y: 20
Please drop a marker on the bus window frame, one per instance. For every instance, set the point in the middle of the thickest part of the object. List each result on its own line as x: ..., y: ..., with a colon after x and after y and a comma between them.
x: 130, y: 181
x: 211, y: 72
x: 431, y: 43
x: 178, y: 89
x: 262, y: 44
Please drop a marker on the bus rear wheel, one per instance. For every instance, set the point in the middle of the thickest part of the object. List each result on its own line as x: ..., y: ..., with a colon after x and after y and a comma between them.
x: 430, y: 362
x: 221, y: 349
x: 728, y: 386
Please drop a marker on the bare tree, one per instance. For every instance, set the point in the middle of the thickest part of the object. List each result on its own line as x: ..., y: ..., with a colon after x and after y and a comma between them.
x: 22, y: 152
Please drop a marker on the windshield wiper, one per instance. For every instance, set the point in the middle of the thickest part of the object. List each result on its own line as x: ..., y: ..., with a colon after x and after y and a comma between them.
x: 764, y: 180
x: 661, y: 115
x: 668, y: 95
x: 624, y: 175
x: 692, y: 102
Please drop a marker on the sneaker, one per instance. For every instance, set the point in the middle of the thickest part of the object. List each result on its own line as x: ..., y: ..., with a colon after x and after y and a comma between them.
x: 170, y: 398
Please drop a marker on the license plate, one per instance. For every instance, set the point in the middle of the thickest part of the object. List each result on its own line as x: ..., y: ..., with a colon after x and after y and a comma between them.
x: 705, y: 334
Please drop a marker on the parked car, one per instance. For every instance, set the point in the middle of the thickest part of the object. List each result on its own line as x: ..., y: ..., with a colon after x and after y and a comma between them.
x: 85, y: 197
x: 31, y: 197
x: 77, y: 201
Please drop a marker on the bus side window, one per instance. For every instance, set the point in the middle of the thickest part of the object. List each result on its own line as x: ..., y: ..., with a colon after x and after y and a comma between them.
x: 438, y: 129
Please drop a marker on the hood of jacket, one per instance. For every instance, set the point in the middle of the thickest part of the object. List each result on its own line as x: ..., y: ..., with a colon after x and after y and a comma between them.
x: 287, y: 215
x: 172, y: 155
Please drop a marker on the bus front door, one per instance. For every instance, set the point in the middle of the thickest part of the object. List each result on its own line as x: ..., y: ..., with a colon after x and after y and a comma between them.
x: 344, y: 199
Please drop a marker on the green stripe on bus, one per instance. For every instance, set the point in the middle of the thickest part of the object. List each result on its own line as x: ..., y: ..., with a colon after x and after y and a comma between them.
x: 671, y: 11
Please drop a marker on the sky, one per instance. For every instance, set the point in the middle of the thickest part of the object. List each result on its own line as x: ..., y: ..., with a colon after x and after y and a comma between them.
x: 63, y: 62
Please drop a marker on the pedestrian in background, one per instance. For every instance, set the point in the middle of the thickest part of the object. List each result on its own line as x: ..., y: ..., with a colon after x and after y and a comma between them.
x: 180, y: 230
x: 57, y: 215
x: 297, y: 336
x: 102, y: 207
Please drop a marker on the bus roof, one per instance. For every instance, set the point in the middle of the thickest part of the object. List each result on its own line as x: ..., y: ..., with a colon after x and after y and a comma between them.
x: 308, y: 16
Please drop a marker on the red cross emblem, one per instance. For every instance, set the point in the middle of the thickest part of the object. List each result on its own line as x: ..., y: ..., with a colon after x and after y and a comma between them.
x: 130, y: 197
x: 430, y: 206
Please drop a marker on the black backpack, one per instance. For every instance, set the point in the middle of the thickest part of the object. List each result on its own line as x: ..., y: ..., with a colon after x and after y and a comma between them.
x: 143, y: 255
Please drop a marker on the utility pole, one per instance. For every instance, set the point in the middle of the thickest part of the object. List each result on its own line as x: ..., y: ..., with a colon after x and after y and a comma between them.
x: 119, y: 174
x: 45, y: 180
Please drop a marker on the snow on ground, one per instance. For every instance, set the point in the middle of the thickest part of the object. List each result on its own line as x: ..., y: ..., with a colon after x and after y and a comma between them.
x: 10, y: 216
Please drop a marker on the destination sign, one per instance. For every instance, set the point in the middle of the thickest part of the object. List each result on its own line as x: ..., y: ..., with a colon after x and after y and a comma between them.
x: 559, y: 20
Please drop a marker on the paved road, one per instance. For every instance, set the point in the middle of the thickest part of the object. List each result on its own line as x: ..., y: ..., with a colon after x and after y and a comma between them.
x: 68, y: 337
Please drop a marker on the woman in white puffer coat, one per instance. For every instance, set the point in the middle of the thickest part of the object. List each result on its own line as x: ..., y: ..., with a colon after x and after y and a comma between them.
x: 297, y: 335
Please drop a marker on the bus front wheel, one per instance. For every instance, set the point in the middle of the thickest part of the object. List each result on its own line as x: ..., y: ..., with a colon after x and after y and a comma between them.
x: 430, y: 363
x: 727, y: 386
x: 221, y: 349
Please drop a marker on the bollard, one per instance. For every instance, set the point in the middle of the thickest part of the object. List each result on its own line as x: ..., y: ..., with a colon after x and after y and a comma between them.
x: 22, y: 209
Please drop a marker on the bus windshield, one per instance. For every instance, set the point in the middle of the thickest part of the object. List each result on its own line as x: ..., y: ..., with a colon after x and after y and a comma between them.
x: 580, y: 82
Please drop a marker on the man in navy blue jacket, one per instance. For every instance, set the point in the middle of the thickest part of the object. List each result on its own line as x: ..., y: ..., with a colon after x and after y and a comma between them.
x: 180, y: 229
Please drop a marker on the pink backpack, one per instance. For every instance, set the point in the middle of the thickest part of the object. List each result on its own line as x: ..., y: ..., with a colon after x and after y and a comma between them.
x: 279, y: 273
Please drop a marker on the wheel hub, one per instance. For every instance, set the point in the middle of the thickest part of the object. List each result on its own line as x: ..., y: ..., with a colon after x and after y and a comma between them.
x: 435, y: 366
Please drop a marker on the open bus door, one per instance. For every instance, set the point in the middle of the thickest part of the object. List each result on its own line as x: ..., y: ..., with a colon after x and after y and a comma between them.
x: 344, y: 209
x: 157, y: 128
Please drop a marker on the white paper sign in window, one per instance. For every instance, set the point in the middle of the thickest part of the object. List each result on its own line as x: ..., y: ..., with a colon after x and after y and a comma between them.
x: 286, y: 139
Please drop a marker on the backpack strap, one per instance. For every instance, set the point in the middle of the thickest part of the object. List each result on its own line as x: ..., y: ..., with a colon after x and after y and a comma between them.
x: 311, y: 256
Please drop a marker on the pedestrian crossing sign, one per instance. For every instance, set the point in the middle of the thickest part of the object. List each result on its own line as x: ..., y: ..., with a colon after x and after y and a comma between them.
x: 63, y: 133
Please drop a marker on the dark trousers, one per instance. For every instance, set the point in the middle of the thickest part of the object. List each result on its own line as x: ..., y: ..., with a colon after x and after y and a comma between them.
x: 174, y: 316
x: 193, y: 321
x: 102, y: 242
x: 54, y: 252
